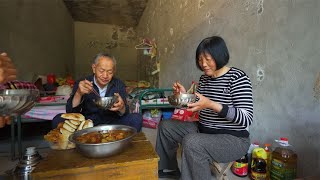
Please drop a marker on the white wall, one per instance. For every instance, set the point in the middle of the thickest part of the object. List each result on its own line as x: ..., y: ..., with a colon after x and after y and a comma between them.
x: 38, y: 36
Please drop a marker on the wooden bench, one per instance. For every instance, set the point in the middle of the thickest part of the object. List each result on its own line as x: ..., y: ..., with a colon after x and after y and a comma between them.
x: 138, y: 161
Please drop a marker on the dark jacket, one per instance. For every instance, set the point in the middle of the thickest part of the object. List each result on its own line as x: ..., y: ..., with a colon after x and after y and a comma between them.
x: 89, y: 109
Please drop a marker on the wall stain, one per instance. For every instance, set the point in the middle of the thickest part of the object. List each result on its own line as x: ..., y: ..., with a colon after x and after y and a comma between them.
x: 121, y: 28
x: 96, y: 44
x: 172, y: 48
x: 111, y: 44
x: 171, y: 31
x: 260, y: 73
x: 254, y: 7
x: 115, y: 35
x: 210, y: 20
x: 210, y: 17
x: 247, y: 6
x: 260, y: 7
x: 201, y: 3
x: 208, y: 14
x: 316, y: 87
x: 131, y: 34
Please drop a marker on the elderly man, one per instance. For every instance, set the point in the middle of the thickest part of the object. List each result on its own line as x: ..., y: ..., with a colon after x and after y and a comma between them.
x: 8, y: 72
x: 102, y: 81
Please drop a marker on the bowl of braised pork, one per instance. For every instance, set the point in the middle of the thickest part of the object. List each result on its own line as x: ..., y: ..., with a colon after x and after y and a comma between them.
x: 103, y: 141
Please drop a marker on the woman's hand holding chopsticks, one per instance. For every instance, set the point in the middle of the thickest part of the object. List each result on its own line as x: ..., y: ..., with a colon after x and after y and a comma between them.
x: 178, y: 88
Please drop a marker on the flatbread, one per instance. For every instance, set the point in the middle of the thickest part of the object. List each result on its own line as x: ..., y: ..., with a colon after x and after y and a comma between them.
x: 73, y: 116
x: 70, y: 124
x: 75, y: 122
x: 65, y: 132
x: 68, y: 127
x: 88, y: 123
x: 80, y: 127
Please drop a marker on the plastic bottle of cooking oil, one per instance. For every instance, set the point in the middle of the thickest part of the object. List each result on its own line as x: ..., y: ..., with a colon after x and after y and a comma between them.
x: 284, y: 161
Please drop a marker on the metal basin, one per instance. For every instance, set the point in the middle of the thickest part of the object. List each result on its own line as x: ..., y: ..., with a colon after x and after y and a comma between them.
x: 106, y: 102
x: 181, y: 100
x: 17, y: 101
x: 102, y: 149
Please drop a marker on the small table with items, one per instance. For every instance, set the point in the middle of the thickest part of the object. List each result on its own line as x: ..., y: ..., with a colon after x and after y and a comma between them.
x: 138, y: 161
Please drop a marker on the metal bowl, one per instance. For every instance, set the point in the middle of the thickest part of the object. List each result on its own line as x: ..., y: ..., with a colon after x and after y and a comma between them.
x: 17, y: 101
x: 106, y: 102
x: 102, y: 149
x: 181, y: 100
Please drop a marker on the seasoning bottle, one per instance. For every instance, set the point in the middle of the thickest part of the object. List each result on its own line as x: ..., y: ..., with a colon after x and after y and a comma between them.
x: 240, y: 166
x: 267, y: 148
x: 251, y: 148
x: 259, y: 164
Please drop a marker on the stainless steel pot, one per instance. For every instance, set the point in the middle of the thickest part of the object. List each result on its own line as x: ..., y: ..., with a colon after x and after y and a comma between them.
x: 102, y: 149
x: 17, y: 101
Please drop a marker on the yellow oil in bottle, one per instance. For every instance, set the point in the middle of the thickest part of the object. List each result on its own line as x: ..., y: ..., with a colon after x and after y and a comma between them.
x: 284, y: 162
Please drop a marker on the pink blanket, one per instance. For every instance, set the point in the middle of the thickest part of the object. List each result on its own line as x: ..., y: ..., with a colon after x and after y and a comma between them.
x: 47, y: 108
x: 45, y: 112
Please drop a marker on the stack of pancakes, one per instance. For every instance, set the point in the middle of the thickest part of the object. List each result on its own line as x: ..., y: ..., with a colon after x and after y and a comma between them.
x: 58, y: 137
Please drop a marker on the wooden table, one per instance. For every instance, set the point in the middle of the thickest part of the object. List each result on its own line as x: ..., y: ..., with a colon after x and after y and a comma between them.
x: 138, y: 161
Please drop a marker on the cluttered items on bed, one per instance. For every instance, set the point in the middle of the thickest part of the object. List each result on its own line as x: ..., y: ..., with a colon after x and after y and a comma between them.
x: 53, y: 85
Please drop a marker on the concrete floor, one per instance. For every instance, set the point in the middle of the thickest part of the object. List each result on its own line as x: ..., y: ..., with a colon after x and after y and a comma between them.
x: 42, y: 146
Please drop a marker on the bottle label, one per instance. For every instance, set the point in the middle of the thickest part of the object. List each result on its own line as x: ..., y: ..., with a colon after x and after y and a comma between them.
x: 259, y: 176
x: 279, y: 171
x: 240, y: 169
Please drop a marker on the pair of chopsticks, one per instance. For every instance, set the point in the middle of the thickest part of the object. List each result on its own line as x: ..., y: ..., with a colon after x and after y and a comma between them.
x: 95, y: 92
x: 192, y: 89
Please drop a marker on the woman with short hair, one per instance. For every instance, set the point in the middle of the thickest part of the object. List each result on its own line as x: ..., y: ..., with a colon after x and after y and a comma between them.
x: 225, y: 106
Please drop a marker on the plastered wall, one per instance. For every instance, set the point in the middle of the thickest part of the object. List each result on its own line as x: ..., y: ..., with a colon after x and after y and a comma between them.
x: 93, y: 38
x: 275, y: 42
x: 38, y: 36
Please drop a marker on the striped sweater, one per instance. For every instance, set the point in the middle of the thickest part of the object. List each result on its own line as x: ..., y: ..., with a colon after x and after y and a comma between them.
x: 234, y: 91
